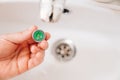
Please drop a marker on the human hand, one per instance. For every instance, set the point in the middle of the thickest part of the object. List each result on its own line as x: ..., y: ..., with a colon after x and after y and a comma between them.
x: 19, y: 53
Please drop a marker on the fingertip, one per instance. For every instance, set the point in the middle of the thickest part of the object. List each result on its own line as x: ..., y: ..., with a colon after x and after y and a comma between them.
x: 33, y: 28
x: 43, y: 45
x: 29, y: 31
x: 47, y: 36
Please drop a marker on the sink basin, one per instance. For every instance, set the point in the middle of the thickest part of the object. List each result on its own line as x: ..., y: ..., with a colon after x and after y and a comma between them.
x: 94, y: 32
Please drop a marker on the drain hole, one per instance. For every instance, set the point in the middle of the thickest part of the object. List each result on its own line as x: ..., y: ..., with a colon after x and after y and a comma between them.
x: 63, y: 56
x: 67, y: 54
x: 58, y: 53
x: 64, y: 50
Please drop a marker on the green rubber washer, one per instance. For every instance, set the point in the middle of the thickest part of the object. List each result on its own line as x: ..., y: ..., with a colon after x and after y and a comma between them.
x: 38, y: 35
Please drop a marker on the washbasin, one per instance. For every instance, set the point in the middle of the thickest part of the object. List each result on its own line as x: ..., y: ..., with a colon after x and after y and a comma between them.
x: 95, y: 35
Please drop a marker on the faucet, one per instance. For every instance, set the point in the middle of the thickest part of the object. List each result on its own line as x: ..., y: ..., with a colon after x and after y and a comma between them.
x: 51, y: 10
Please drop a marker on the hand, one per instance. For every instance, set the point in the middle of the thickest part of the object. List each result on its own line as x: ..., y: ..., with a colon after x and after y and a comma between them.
x: 19, y: 53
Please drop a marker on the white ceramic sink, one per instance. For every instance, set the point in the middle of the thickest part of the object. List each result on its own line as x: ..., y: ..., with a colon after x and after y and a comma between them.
x: 95, y: 33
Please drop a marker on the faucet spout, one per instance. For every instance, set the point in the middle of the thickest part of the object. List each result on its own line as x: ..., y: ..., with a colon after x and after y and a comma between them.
x: 51, y: 10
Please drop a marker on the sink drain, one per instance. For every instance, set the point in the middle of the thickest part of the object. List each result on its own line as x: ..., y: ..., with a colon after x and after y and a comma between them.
x: 64, y: 50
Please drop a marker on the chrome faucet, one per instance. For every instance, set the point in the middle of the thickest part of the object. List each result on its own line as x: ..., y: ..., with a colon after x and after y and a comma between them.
x: 51, y: 10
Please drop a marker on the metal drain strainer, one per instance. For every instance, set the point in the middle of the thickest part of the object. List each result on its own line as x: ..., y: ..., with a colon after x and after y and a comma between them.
x: 64, y: 50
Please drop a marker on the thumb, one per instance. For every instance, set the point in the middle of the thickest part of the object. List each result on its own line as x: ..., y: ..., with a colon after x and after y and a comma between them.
x: 20, y: 36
